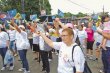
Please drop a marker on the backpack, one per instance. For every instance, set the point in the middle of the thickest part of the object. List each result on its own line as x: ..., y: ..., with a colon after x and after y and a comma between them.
x: 86, y: 67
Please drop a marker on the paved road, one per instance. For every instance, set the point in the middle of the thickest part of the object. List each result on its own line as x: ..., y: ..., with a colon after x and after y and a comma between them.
x: 35, y: 67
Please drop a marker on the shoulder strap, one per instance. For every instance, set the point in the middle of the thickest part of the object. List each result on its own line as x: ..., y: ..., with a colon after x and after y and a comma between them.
x: 73, y: 51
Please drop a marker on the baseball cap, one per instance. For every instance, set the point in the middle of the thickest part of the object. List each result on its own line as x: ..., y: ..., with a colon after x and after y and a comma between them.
x: 69, y: 25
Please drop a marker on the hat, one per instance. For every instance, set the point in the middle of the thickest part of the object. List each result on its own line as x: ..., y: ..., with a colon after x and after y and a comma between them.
x: 21, y: 26
x: 69, y: 25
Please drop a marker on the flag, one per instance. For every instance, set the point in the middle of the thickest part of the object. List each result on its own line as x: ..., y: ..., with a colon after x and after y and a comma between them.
x: 60, y: 13
x: 33, y: 17
x: 53, y: 17
x: 12, y: 13
x: 18, y: 16
x: 2, y: 16
x: 95, y: 17
x: 23, y: 16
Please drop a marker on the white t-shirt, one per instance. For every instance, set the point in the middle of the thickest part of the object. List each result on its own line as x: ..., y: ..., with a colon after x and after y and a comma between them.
x: 19, y: 37
x: 35, y: 38
x: 12, y: 34
x: 65, y: 63
x: 3, y: 39
x: 98, y: 37
x: 82, y: 36
x: 41, y: 43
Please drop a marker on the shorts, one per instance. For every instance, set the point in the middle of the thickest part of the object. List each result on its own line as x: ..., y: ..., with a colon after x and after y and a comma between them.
x: 90, y: 45
x: 12, y: 45
x: 97, y: 44
x: 36, y: 47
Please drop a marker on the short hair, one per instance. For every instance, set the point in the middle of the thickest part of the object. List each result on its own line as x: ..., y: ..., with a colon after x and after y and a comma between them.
x: 103, y: 18
x: 80, y: 25
x: 69, y: 31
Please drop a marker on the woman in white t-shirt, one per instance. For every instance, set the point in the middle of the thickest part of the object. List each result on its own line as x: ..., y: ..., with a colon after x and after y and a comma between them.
x: 82, y: 34
x: 4, y: 44
x: 22, y: 45
x: 65, y: 62
x: 12, y: 46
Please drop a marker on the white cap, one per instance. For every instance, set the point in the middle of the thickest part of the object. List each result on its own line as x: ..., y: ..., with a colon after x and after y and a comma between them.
x: 21, y: 26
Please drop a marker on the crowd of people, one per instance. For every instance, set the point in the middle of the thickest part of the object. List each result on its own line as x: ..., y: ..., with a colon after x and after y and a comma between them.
x: 57, y: 37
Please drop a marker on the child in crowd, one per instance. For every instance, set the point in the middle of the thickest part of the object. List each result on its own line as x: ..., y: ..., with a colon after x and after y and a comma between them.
x: 106, y: 24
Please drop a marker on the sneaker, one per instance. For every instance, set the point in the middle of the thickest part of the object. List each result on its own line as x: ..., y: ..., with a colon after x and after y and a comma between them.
x: 101, y: 71
x: 46, y: 72
x: 3, y: 68
x: 49, y: 60
x: 21, y: 69
x: 15, y: 55
x: 26, y: 71
x: 11, y: 68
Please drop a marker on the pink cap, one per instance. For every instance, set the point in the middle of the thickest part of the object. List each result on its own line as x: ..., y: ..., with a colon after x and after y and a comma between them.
x: 69, y: 25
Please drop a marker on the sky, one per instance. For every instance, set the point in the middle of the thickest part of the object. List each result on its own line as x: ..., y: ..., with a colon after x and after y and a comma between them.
x: 84, y: 6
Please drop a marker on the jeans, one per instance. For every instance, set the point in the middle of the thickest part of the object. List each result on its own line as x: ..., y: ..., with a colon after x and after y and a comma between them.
x: 22, y: 54
x: 12, y: 45
x: 106, y: 59
x: 3, y: 53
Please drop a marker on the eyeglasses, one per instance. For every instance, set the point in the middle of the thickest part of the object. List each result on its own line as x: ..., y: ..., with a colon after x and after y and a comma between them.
x: 64, y: 35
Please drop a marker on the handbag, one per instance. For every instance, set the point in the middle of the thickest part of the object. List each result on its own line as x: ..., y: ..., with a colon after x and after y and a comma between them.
x: 9, y: 58
x: 86, y: 67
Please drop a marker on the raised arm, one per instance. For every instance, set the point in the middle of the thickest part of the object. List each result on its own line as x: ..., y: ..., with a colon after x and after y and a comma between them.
x: 47, y: 40
x: 58, y: 22
x: 15, y: 25
x: 105, y: 35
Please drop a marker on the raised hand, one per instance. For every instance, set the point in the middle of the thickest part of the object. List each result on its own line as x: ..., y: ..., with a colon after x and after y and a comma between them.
x: 12, y: 21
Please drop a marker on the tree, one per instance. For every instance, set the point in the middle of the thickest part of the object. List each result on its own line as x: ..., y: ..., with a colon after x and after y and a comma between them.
x: 30, y: 6
x: 80, y: 15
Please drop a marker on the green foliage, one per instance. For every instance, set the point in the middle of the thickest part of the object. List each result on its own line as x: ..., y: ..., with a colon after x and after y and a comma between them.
x: 30, y: 6
x: 69, y: 15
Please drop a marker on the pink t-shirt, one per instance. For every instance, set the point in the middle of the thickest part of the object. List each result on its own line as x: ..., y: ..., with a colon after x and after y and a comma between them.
x: 90, y: 34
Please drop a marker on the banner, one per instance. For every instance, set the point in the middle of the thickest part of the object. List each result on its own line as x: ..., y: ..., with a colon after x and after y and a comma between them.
x: 60, y: 13
x: 33, y: 17
x: 2, y: 16
x: 43, y: 12
x: 18, y: 16
x: 23, y: 16
x: 12, y: 13
x: 53, y: 17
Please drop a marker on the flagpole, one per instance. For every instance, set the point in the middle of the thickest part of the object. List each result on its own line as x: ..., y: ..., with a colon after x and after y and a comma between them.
x: 22, y: 4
